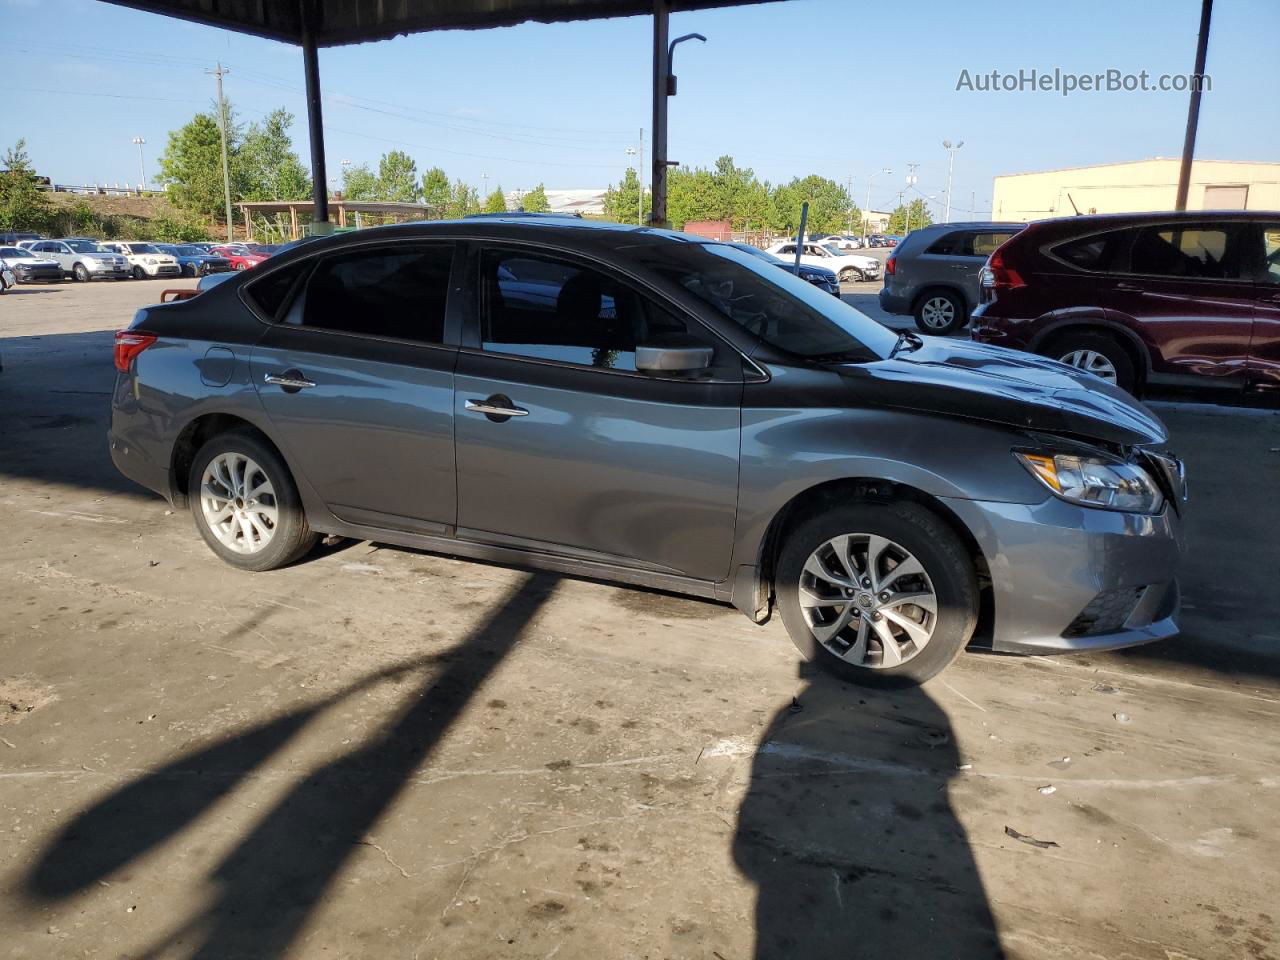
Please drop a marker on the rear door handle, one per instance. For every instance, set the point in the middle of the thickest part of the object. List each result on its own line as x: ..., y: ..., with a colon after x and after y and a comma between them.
x: 500, y: 409
x: 1130, y: 287
x: 291, y: 380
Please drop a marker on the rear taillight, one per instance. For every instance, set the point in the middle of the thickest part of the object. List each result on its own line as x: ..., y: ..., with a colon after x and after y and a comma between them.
x: 129, y: 344
x: 890, y: 267
x: 998, y: 275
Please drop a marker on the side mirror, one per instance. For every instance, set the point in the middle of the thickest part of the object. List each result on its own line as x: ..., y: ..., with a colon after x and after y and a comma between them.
x: 676, y: 356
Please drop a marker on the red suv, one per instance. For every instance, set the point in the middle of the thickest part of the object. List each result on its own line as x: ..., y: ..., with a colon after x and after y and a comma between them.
x: 1187, y: 298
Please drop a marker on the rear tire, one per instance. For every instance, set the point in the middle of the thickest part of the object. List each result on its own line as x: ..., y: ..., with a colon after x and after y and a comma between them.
x: 939, y: 312
x: 1095, y: 353
x: 245, y: 503
x: 900, y: 532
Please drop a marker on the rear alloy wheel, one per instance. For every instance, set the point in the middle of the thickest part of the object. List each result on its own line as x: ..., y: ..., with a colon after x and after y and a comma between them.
x: 1096, y: 354
x: 939, y: 313
x: 80, y: 272
x: 245, y: 504
x: 879, y: 593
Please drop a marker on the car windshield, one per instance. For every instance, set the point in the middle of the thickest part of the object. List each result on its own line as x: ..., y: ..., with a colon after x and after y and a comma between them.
x: 832, y: 249
x: 16, y: 252
x: 779, y: 308
x: 189, y: 251
x: 85, y: 246
x: 142, y: 248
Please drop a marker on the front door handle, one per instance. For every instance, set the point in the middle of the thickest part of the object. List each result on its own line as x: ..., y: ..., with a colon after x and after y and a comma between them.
x: 497, y: 408
x: 1130, y: 287
x: 291, y: 380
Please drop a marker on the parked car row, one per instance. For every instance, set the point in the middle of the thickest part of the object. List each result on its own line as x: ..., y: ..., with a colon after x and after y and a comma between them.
x: 846, y: 266
x: 1143, y: 299
x: 85, y: 258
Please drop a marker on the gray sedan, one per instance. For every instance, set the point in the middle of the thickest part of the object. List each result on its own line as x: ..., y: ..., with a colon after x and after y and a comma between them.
x: 634, y: 404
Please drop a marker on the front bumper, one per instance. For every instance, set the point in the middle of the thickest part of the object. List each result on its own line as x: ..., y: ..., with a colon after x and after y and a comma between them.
x: 162, y: 270
x: 33, y: 274
x: 1067, y: 579
x: 107, y: 269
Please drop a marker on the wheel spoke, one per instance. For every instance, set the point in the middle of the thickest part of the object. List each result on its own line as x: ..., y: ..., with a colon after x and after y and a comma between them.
x: 809, y: 598
x: 890, y: 655
x: 875, y: 549
x: 923, y: 599
x: 825, y: 631
x: 908, y: 566
x: 816, y: 566
x: 857, y: 654
x: 917, y: 632
x: 267, y: 512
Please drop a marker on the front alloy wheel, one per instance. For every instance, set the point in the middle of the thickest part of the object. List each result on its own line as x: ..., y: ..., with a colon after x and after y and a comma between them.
x: 878, y: 592
x: 868, y: 600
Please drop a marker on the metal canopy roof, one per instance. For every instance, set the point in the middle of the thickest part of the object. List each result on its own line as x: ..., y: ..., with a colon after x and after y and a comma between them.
x: 340, y: 22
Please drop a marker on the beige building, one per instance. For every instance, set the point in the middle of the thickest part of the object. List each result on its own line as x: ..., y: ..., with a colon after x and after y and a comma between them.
x: 1133, y: 187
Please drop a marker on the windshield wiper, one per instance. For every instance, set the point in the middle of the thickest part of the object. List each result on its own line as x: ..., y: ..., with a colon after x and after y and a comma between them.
x: 906, y: 339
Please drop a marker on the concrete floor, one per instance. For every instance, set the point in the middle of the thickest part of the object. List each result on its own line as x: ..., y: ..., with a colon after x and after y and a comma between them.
x: 390, y: 754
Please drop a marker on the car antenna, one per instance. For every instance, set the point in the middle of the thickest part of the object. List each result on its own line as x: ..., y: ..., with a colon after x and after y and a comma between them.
x: 1073, y: 205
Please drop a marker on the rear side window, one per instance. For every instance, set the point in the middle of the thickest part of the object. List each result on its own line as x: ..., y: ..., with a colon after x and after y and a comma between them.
x: 1098, y: 253
x: 1204, y: 252
x: 398, y: 292
x: 1271, y: 253
x: 269, y: 293
x: 984, y: 244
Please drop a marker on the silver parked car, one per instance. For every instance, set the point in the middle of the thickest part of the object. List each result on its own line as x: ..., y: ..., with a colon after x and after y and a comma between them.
x: 645, y: 406
x: 933, y: 273
x: 83, y: 259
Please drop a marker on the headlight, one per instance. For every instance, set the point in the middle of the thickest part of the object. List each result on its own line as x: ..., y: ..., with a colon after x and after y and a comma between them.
x: 1095, y: 481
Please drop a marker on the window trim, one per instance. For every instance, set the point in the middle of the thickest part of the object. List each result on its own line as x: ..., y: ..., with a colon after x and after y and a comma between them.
x: 477, y: 305
x: 297, y: 295
x: 1241, y: 227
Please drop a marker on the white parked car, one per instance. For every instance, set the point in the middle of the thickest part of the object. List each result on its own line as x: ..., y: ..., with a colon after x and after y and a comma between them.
x: 27, y: 267
x: 83, y: 259
x: 846, y: 266
x: 841, y: 241
x: 146, y: 260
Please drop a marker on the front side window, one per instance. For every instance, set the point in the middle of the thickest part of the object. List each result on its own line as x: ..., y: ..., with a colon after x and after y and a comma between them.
x: 1196, y: 252
x: 775, y: 305
x: 954, y: 244
x: 397, y: 291
x: 548, y: 309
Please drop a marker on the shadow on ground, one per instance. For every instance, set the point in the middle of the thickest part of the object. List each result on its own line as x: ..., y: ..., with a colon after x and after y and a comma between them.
x: 848, y: 833
x: 266, y: 889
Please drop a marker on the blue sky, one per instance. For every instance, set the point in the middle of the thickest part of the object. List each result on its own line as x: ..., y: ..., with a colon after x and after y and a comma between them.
x: 837, y: 87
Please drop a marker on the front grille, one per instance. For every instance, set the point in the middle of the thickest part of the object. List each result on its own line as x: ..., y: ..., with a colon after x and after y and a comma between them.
x: 1105, y: 613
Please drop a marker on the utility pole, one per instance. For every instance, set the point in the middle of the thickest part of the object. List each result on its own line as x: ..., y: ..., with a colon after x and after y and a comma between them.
x: 1193, y: 111
x: 951, y: 162
x: 911, y: 182
x: 849, y: 191
x: 226, y: 167
x: 640, y: 177
x: 886, y: 171
x: 142, y: 167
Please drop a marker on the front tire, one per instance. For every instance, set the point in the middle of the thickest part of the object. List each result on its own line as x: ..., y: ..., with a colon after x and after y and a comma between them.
x: 900, y: 592
x: 848, y: 275
x: 139, y: 273
x: 80, y: 272
x: 940, y: 312
x: 246, y: 505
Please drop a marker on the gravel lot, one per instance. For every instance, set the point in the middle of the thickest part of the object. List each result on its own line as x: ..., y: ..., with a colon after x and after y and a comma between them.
x: 393, y: 754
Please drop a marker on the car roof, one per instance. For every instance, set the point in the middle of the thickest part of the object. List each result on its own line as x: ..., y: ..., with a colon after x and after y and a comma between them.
x: 1106, y: 220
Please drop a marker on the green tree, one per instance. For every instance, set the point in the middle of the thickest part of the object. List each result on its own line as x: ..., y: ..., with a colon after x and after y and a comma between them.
x: 435, y: 189
x: 23, y: 205
x: 191, y: 165
x: 732, y: 184
x: 535, y: 201
x: 463, y: 200
x: 622, y: 202
x: 397, y: 177
x: 829, y: 204
x: 269, y: 166
x: 360, y: 183
x: 691, y: 195
x: 909, y: 217
x: 496, y: 202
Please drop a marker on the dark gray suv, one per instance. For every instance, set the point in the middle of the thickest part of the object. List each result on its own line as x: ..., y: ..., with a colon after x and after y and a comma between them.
x: 934, y: 273
x: 645, y: 406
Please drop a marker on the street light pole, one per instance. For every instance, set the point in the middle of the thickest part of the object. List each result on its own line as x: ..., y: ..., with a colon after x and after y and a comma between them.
x: 951, y: 162
x: 142, y: 167
x: 870, y: 179
x: 664, y: 86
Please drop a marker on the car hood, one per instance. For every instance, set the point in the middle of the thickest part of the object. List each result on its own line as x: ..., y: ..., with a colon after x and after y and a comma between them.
x: 980, y: 382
